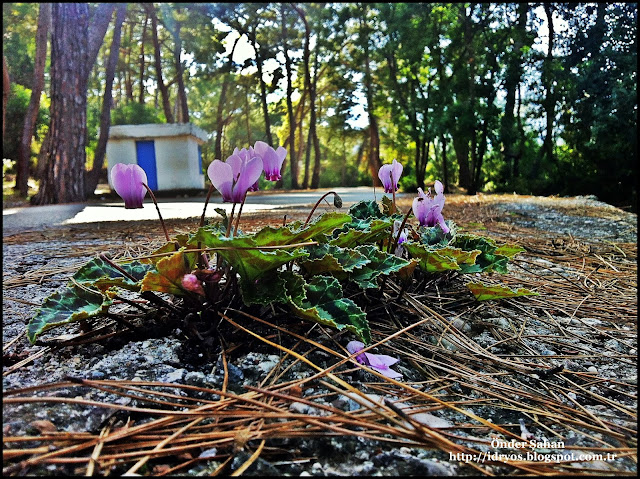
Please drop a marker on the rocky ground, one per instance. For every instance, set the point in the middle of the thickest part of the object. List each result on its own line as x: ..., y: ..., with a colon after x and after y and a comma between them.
x: 559, y: 368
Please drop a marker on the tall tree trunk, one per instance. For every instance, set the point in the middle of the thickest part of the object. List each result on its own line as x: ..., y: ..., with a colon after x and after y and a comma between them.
x: 374, y: 135
x: 510, y: 144
x: 467, y: 140
x: 220, y: 123
x: 183, y: 115
x: 93, y: 176
x: 247, y: 108
x: 143, y: 40
x: 166, y: 105
x: 64, y: 150
x: 315, y: 178
x: 263, y: 89
x: 461, y: 148
x: 128, y: 82
x: 293, y: 160
x: 24, y: 152
x: 445, y: 167
x: 6, y: 91
x: 309, y: 87
x: 549, y: 102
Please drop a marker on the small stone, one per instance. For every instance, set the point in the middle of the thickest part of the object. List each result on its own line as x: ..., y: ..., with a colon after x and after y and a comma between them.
x: 209, y: 452
x: 299, y: 408
x: 592, y: 369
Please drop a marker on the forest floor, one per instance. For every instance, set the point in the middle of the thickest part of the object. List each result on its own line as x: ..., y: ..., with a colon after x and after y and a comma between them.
x: 531, y: 385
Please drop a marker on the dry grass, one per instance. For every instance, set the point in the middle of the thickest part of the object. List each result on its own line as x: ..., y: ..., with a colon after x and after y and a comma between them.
x: 596, y: 280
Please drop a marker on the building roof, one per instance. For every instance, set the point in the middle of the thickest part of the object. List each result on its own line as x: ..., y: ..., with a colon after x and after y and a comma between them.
x: 156, y: 130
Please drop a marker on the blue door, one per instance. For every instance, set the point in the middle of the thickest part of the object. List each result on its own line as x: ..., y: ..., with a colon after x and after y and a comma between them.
x: 146, y: 155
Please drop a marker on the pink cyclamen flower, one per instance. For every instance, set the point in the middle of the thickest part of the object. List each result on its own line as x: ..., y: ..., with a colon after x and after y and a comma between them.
x: 190, y: 282
x: 271, y: 159
x: 246, y: 155
x: 233, y: 177
x: 428, y: 208
x: 389, y: 174
x: 379, y: 362
x: 127, y: 180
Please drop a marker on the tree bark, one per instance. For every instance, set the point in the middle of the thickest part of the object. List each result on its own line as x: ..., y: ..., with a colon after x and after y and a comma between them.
x: 6, y: 90
x: 547, y: 80
x: 445, y: 167
x: 164, y: 93
x: 183, y: 116
x: 221, y: 102
x: 309, y: 87
x: 293, y: 160
x: 143, y: 39
x: 263, y: 89
x: 509, y: 137
x: 93, y: 176
x: 128, y: 82
x: 64, y: 151
x: 24, y: 152
x: 374, y: 135
x: 315, y: 178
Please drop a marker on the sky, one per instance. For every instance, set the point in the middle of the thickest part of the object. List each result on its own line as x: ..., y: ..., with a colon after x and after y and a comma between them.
x: 244, y: 50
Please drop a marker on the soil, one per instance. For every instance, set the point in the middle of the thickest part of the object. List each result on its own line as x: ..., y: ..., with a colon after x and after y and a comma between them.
x: 559, y: 368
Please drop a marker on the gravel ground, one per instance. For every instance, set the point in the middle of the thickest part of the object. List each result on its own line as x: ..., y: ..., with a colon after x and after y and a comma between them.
x: 34, y: 269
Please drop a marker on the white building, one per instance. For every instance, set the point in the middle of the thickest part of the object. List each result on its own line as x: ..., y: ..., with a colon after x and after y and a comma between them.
x: 169, y: 153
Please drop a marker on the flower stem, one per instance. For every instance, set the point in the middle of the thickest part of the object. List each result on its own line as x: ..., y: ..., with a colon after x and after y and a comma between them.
x: 337, y: 201
x: 235, y: 231
x: 204, y: 261
x: 230, y: 220
x: 206, y: 202
x: 153, y: 197
x: 393, y: 191
x: 395, y: 242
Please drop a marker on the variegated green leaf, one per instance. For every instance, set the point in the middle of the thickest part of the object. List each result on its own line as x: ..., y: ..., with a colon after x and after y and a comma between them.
x: 296, y: 232
x: 73, y: 303
x: 381, y: 263
x: 431, y: 261
x: 324, y: 304
x: 245, y: 256
x: 326, y: 258
x: 102, y: 275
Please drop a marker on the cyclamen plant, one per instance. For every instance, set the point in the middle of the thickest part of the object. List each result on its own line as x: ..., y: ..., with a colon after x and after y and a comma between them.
x: 305, y: 267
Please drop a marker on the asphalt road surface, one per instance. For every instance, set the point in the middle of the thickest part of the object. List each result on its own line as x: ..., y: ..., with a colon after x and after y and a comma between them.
x: 29, y: 218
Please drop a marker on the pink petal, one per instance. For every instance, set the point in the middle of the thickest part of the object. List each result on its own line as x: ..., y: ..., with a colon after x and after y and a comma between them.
x: 261, y: 148
x: 236, y: 163
x: 272, y: 163
x: 221, y: 176
x: 127, y: 180
x: 355, y: 346
x: 396, y: 172
x: 380, y: 360
x: 390, y: 373
x: 384, y: 173
x: 248, y: 176
x: 438, y: 187
x: 282, y: 154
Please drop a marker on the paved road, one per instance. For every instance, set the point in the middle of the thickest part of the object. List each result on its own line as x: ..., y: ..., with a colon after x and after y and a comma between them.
x: 30, y: 218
